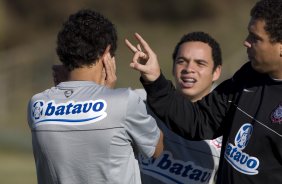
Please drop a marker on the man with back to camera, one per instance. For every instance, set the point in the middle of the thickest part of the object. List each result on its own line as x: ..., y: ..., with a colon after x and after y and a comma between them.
x: 245, y: 109
x: 196, y: 66
x: 83, y: 131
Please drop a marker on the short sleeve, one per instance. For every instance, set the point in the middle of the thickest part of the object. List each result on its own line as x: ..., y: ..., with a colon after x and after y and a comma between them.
x: 140, y: 126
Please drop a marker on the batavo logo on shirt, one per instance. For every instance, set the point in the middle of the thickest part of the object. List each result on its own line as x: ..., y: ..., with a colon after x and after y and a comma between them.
x: 169, y: 170
x: 240, y: 160
x: 69, y: 113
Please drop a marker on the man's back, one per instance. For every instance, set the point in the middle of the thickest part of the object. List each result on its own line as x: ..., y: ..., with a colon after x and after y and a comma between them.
x: 78, y: 140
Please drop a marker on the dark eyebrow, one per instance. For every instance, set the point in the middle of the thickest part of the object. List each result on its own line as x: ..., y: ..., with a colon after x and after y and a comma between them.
x: 181, y: 58
x: 197, y: 60
x: 255, y: 35
x: 201, y: 60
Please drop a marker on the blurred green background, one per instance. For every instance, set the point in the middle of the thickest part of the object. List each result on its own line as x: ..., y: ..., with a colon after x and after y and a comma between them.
x: 27, y: 50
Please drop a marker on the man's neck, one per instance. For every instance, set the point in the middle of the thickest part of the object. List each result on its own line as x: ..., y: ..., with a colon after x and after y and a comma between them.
x: 87, y: 73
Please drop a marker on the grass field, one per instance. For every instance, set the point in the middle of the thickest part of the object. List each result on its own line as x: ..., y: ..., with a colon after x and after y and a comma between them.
x: 17, y: 168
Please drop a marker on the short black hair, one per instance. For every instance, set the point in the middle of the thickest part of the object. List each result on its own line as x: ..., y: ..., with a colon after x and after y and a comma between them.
x: 271, y: 12
x: 84, y: 38
x: 205, y: 38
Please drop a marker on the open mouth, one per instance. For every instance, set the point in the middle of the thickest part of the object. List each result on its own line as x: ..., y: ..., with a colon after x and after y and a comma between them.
x: 188, y: 82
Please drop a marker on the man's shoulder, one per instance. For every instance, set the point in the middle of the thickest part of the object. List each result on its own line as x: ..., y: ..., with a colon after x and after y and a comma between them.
x: 126, y: 95
x: 121, y: 93
x: 40, y: 95
x: 141, y: 93
x: 247, y: 74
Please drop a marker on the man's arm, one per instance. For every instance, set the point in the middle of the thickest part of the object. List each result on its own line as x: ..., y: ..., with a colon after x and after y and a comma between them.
x: 200, y: 120
x: 142, y: 127
x: 160, y: 146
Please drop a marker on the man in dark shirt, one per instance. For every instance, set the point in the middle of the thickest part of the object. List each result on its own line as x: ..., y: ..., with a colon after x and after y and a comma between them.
x: 246, y: 109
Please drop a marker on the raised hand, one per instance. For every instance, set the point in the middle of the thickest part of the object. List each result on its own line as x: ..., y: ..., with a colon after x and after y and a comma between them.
x: 146, y: 61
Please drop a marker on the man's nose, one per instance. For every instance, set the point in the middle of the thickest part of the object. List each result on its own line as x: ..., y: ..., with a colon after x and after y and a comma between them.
x: 247, y: 44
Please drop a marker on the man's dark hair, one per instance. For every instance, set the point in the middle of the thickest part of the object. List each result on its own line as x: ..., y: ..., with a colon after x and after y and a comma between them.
x: 271, y: 12
x: 205, y: 38
x: 84, y: 38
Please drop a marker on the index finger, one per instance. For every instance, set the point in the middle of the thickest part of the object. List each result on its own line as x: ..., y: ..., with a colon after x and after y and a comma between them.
x: 144, y: 44
x: 130, y: 46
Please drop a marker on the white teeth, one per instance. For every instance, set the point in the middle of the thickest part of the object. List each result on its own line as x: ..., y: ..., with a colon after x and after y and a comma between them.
x: 189, y: 80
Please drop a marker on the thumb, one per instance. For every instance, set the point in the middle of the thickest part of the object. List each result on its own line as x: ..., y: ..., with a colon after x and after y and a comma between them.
x: 139, y: 67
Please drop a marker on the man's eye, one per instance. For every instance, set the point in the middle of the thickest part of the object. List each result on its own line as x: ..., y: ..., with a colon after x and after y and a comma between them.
x: 179, y: 61
x: 202, y: 64
x: 253, y: 38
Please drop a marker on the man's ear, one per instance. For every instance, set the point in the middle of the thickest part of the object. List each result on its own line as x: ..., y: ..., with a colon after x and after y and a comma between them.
x: 216, y: 74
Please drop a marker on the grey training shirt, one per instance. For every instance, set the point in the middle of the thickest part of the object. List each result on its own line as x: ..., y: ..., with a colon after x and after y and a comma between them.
x: 86, y: 133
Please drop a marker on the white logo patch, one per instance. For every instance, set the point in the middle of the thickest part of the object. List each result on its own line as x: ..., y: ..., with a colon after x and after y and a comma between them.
x: 240, y: 160
x: 69, y: 113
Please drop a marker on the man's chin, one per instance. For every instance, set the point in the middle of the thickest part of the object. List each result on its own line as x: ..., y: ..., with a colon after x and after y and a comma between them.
x: 186, y: 92
x: 257, y: 67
